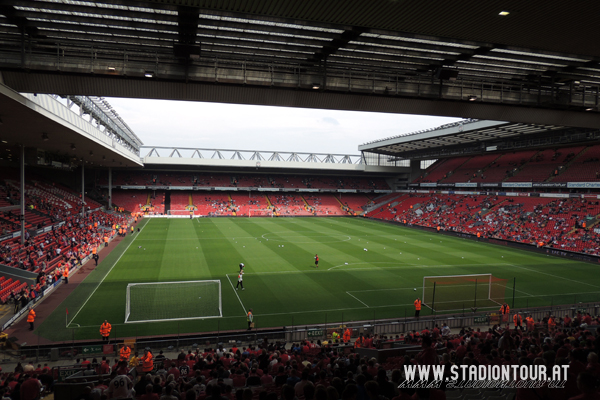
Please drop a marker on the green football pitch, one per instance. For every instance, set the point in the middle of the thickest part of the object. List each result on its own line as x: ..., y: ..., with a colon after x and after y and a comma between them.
x: 367, y: 270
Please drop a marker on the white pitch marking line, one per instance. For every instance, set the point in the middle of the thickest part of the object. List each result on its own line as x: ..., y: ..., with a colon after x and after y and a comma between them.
x: 108, y: 273
x: 366, y: 305
x: 238, y: 297
x: 349, y: 309
x: 528, y: 294
x: 380, y: 290
x: 554, y: 276
x: 404, y: 265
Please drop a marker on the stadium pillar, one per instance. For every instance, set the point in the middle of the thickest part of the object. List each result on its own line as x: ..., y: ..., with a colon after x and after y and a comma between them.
x: 415, y: 169
x: 82, y: 189
x: 22, y: 217
x: 109, y: 188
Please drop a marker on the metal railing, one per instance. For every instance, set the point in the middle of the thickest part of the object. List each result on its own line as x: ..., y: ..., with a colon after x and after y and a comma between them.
x: 388, y: 327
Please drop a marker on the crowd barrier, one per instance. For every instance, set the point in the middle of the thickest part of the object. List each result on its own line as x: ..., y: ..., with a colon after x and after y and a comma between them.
x: 289, y: 334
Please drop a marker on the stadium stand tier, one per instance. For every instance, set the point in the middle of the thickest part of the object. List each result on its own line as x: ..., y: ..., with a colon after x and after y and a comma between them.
x: 558, y: 223
x: 568, y: 164
x: 282, y: 181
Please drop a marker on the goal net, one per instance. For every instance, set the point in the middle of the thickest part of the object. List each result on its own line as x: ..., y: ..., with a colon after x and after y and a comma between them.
x: 168, y: 301
x: 260, y: 212
x: 460, y: 292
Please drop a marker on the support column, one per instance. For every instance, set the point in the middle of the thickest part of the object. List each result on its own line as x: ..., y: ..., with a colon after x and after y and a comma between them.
x: 22, y: 216
x: 415, y: 170
x: 109, y: 188
x: 82, y: 189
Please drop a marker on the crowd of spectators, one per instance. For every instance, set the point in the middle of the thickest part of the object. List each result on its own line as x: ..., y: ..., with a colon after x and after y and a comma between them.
x: 64, y: 246
x: 333, y: 370
x: 565, y: 223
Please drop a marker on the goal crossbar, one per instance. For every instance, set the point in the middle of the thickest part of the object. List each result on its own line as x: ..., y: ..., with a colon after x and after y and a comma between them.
x: 173, y: 301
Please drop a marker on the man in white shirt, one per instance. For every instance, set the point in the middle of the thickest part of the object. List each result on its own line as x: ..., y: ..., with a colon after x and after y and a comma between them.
x: 120, y: 388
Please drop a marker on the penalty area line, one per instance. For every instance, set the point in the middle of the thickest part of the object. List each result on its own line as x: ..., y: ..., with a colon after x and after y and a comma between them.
x: 238, y: 297
x: 362, y: 302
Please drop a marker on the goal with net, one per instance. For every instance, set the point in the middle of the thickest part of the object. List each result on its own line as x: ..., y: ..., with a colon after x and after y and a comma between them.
x: 169, y: 301
x: 260, y: 212
x: 459, y: 292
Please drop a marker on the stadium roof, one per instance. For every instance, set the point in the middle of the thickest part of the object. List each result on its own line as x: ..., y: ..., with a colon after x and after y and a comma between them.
x: 70, y: 136
x: 538, y: 64
x: 475, y: 136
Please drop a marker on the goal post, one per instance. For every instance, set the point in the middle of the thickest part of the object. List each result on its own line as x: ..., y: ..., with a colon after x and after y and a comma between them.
x: 172, y: 301
x: 459, y: 292
x: 260, y: 212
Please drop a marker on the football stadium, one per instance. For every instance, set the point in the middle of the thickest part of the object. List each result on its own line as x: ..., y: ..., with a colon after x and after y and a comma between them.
x: 133, y: 270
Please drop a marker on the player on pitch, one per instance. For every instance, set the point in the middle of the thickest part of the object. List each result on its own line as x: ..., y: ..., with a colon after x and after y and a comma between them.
x: 316, y: 260
x: 240, y: 280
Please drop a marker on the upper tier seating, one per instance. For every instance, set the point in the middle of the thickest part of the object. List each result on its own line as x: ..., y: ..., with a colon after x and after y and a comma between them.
x: 544, y: 165
x: 204, y: 179
x: 439, y: 170
x: 584, y: 168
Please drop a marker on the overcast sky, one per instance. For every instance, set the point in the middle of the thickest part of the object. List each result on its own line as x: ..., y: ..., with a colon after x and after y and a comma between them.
x: 243, y: 127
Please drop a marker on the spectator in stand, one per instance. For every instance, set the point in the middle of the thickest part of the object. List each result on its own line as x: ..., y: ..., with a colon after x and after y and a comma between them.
x: 120, y: 387
x: 30, y: 388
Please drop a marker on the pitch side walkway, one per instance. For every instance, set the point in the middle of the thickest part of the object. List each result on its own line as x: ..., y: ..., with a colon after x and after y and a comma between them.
x: 20, y: 329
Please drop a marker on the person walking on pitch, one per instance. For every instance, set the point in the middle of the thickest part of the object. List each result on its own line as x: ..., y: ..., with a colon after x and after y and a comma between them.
x: 240, y: 280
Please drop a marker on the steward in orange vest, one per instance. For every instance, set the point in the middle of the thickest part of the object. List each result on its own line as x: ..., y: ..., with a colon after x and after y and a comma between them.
x: 31, y: 318
x: 518, y: 320
x: 66, y: 273
x: 551, y: 323
x: 347, y: 335
x: 147, y: 362
x: 505, y: 310
x: 530, y: 323
x: 417, y: 307
x: 359, y: 342
x: 105, y: 330
x: 125, y: 353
